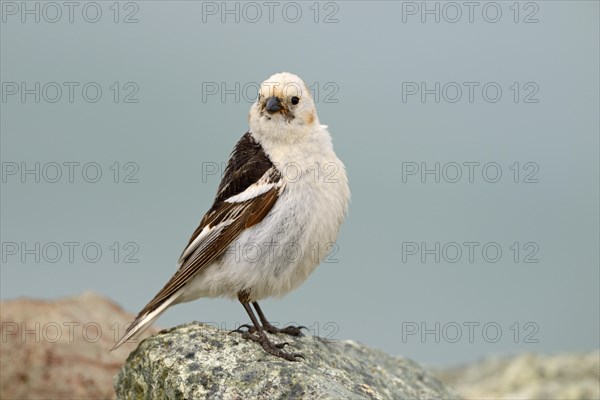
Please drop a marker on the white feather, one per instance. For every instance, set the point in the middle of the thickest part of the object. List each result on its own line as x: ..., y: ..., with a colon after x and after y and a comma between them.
x: 251, y: 192
x: 141, y: 324
x: 192, y: 246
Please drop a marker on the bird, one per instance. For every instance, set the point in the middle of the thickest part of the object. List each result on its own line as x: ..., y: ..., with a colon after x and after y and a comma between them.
x: 283, y: 190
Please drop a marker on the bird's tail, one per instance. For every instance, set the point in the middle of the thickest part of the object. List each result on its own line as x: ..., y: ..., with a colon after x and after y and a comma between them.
x: 144, y: 320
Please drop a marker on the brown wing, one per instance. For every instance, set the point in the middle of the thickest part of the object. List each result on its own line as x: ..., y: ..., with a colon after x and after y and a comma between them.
x: 247, y: 164
x: 226, y: 222
x: 248, y: 191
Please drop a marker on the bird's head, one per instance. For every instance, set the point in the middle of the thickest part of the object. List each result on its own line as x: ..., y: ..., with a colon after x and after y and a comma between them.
x: 284, y: 108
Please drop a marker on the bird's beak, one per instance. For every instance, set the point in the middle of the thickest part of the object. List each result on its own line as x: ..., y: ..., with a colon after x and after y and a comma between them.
x: 273, y: 104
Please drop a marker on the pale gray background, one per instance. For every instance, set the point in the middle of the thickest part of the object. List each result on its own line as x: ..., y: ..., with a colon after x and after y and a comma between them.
x: 371, y: 292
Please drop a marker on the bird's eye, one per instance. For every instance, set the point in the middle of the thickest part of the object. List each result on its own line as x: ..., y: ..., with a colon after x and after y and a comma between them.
x: 295, y: 100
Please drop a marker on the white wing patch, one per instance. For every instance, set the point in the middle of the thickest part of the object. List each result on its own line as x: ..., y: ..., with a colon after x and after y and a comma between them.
x: 251, y: 192
x: 263, y: 185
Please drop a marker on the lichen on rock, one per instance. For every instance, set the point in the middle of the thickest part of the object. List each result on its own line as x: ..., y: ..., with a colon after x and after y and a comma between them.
x: 197, y: 361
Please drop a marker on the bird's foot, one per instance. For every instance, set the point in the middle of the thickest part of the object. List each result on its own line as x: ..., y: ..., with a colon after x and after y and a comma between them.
x: 270, y: 347
x: 288, y: 330
x: 240, y: 329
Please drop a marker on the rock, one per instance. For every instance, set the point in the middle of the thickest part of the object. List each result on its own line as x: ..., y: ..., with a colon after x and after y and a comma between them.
x: 528, y: 376
x: 59, y: 349
x: 197, y: 361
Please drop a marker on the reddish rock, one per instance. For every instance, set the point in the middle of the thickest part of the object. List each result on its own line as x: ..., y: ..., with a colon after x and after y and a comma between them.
x: 60, y: 349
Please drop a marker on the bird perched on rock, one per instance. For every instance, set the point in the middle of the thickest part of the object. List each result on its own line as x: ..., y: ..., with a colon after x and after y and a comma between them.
x: 283, y: 191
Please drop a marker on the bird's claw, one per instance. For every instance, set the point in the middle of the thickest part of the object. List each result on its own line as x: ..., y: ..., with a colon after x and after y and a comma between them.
x: 272, y: 348
x: 288, y: 330
x: 240, y: 329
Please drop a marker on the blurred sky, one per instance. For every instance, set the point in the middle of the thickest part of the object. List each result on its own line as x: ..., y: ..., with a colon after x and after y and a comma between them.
x: 517, y: 94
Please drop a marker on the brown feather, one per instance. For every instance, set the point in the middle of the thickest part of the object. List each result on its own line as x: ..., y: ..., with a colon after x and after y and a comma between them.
x: 249, y: 213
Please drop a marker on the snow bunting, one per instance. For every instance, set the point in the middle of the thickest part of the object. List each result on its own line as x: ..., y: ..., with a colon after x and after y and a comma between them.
x: 283, y: 194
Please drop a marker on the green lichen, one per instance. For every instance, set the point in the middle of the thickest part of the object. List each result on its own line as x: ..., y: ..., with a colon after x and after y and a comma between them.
x: 197, y: 361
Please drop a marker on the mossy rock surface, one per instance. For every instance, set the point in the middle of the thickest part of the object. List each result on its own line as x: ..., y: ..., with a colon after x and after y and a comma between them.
x: 197, y: 361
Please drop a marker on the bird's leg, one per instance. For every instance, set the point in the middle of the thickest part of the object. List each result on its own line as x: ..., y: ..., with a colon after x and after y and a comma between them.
x: 261, y: 338
x: 266, y: 325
